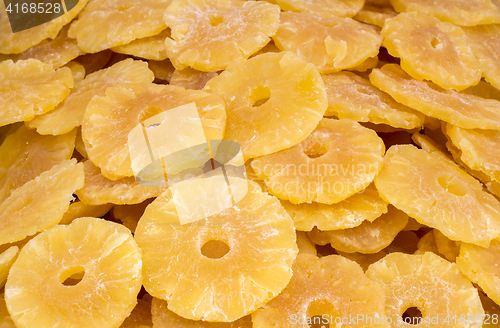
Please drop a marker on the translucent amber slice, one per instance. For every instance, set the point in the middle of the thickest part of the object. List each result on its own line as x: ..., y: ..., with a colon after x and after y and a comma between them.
x: 129, y: 215
x: 461, y: 109
x: 162, y: 69
x: 490, y: 309
x: 69, y: 114
x: 430, y: 146
x: 140, y: 316
x: 351, y: 96
x: 208, y: 35
x: 336, y: 161
x: 325, y: 8
x: 427, y: 282
x: 329, y: 287
x: 29, y: 88
x: 331, y: 44
x: 164, y: 318
x: 5, y: 319
x: 95, y: 62
x: 439, y: 194
x: 152, y: 47
x: 80, y: 209
x: 7, y: 258
x: 364, y: 260
x: 348, y: 213
x: 374, y: 15
x: 274, y: 101
x: 46, y: 287
x: 368, y: 64
x: 448, y: 248
x: 77, y: 69
x: 432, y: 50
x: 305, y: 245
x: 427, y: 244
x: 369, y: 237
x: 255, y: 238
x: 189, y: 78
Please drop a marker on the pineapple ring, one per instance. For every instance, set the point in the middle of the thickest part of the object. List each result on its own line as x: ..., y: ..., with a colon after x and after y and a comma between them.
x: 423, y: 41
x: 375, y: 15
x: 331, y: 44
x: 350, y: 156
x: 274, y: 101
x: 208, y: 35
x: 437, y: 193
x: 324, y: 8
x: 330, y: 286
x: 461, y: 109
x: 162, y: 69
x: 189, y: 78
x: 367, y: 238
x: 446, y: 247
x: 427, y: 244
x: 38, y: 292
x: 433, y: 285
x: 7, y: 258
x: 79, y: 210
x: 255, y: 238
x: 152, y: 47
x: 129, y: 215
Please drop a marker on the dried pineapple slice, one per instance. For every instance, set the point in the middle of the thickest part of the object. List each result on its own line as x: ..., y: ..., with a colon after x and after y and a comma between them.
x: 427, y: 244
x: 80, y: 209
x: 375, y: 15
x: 7, y: 258
x: 140, y: 316
x: 152, y: 47
x: 492, y: 310
x: 189, y: 78
x: 349, y: 213
x: 448, y: 248
x: 95, y: 62
x: 40, y: 203
x: 29, y: 88
x: 461, y: 109
x: 80, y: 145
x: 5, y: 319
x: 325, y: 8
x: 163, y: 70
x: 364, y: 260
x: 274, y: 101
x: 351, y: 96
x: 69, y: 114
x: 369, y: 237
x: 255, y: 238
x: 77, y: 69
x: 439, y: 194
x: 305, y: 245
x: 427, y: 282
x: 340, y: 158
x: 129, y: 215
x: 39, y: 294
x: 331, y: 44
x: 330, y: 287
x: 164, y: 318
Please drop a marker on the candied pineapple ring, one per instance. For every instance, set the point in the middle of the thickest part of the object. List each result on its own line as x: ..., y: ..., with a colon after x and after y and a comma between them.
x: 437, y: 193
x: 208, y: 35
x: 255, y: 238
x: 274, y: 101
x: 326, y: 8
x: 152, y: 47
x: 337, y: 160
x: 427, y: 282
x: 189, y: 78
x: 46, y: 287
x: 422, y: 42
x: 332, y: 43
x: 375, y: 15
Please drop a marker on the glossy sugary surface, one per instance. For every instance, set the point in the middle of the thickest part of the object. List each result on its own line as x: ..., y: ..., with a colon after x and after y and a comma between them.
x: 327, y: 8
x: 152, y: 47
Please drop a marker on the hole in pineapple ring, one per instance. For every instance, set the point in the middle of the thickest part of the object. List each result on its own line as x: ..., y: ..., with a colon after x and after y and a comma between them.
x: 214, y: 249
x: 321, y: 314
x: 452, y: 184
x: 72, y: 276
x: 435, y: 43
x: 216, y: 20
x: 315, y: 146
x: 259, y: 96
x: 412, y: 316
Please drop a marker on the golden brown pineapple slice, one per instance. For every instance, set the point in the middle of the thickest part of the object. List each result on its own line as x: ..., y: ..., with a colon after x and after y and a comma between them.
x: 461, y: 109
x: 189, y: 78
x: 427, y: 244
x: 375, y: 15
x: 79, y: 209
x: 5, y: 319
x: 338, y: 159
x: 95, y: 62
x: 439, y: 194
x: 46, y: 287
x: 429, y: 283
x: 255, y: 238
x: 77, y: 69
x: 492, y: 310
x: 162, y: 69
x: 140, y: 316
x: 152, y: 47
x: 129, y: 215
x: 7, y: 258
x: 331, y: 44
x: 29, y: 88
x: 208, y: 35
x: 326, y: 8
x: 446, y: 247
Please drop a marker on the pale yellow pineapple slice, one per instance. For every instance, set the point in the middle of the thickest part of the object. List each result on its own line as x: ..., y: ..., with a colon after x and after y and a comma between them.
x: 274, y: 101
x: 368, y: 64
x: 349, y: 213
x: 432, y: 50
x: 338, y: 159
x: 40, y: 203
x: 29, y: 88
x: 140, y: 316
x: 304, y: 243
x: 189, y: 78
x: 45, y: 287
x: 461, y: 109
x: 351, y: 96
x: 79, y: 209
x: 331, y: 44
x: 375, y: 15
x: 330, y: 287
x: 69, y: 114
x: 152, y: 47
x: 325, y: 8
x: 429, y: 283
x: 439, y: 194
x: 7, y: 258
x: 162, y: 69
x: 369, y: 237
x: 25, y: 154
x: 255, y: 238
x: 164, y: 318
x: 5, y: 319
x: 129, y: 215
x: 446, y: 247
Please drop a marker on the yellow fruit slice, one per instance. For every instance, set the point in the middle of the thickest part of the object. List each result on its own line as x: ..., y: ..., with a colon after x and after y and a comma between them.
x: 164, y: 318
x: 331, y: 44
x: 426, y: 143
x: 325, y: 8
x: 350, y: 96
x: 95, y: 62
x: 427, y: 244
x: 331, y: 287
x: 337, y: 160
x: 348, y: 213
x: 129, y: 215
x: 80, y: 209
x: 461, y: 109
x: 439, y: 194
x: 274, y: 101
x: 448, y: 248
x: 368, y: 64
x: 162, y: 69
x: 5, y: 319
x: 375, y: 15
x: 255, y: 238
x: 29, y: 88
x: 140, y: 316
x: 40, y: 203
x: 77, y: 69
x: 429, y: 283
x: 491, y: 311
x: 369, y: 237
x: 7, y: 258
x: 46, y: 287
x: 379, y: 3
x: 189, y: 78
x: 69, y: 114
x: 364, y: 260
x: 80, y: 145
x: 152, y: 47
x: 305, y: 245
x: 423, y: 41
